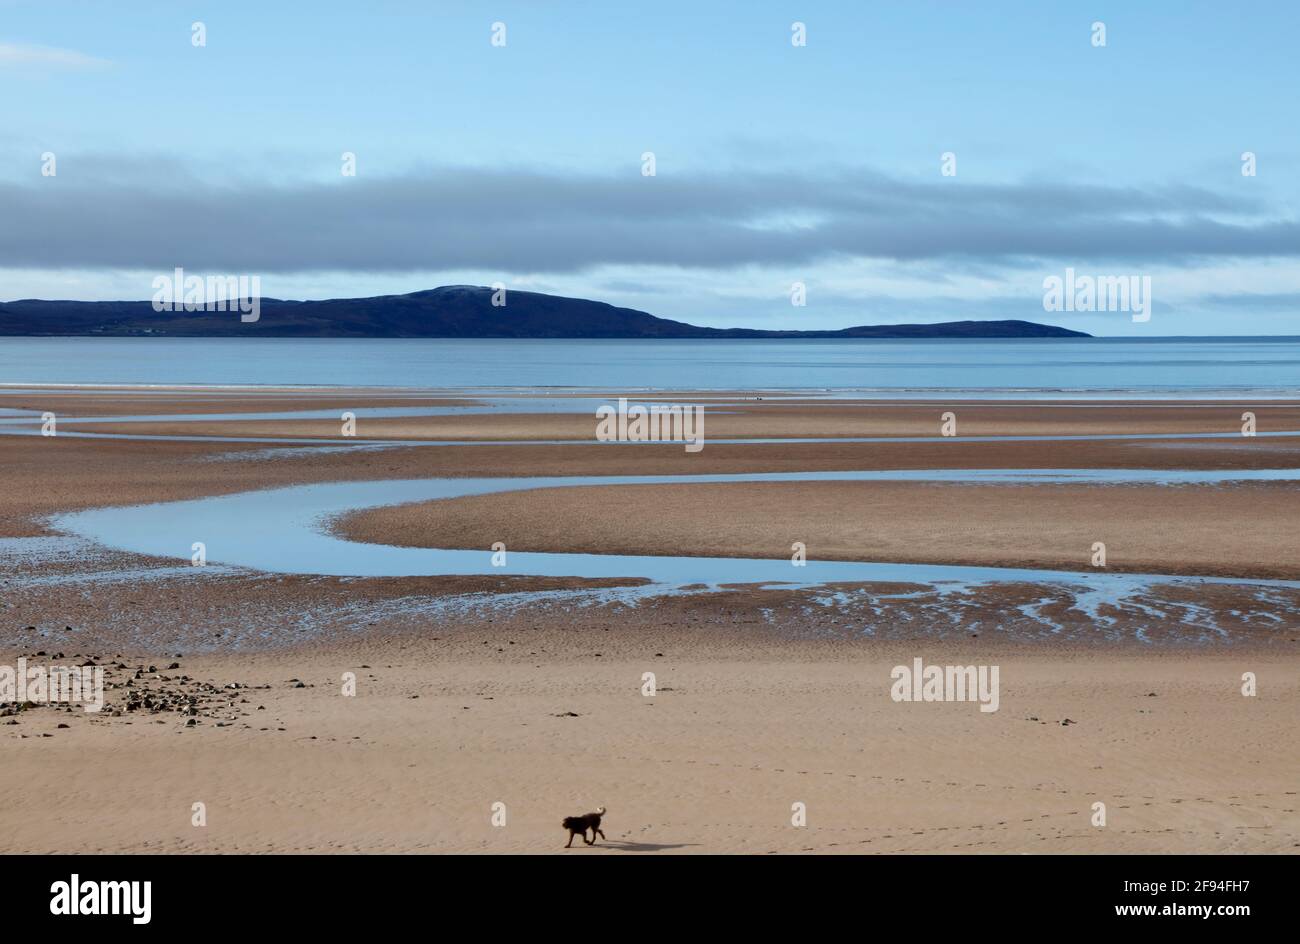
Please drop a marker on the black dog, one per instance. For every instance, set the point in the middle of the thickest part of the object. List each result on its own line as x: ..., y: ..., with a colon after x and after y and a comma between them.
x: 580, y: 824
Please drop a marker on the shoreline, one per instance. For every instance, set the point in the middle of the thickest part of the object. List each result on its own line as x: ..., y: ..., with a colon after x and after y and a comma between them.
x: 1016, y: 395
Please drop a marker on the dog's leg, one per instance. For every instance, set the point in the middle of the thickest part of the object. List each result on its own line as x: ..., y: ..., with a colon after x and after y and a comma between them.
x: 569, y: 844
x: 592, y: 841
x: 596, y: 832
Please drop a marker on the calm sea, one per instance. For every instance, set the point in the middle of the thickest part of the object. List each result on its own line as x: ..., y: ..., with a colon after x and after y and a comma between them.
x: 1094, y: 366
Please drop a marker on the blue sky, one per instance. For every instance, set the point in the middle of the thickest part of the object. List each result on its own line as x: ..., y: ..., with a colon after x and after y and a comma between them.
x: 774, y: 163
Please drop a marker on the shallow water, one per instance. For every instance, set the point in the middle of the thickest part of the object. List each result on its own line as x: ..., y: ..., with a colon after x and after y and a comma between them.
x: 285, y: 530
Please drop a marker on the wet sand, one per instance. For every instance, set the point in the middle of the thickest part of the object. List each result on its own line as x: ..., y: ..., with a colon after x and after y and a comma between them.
x: 473, y: 691
x: 1237, y: 530
x: 747, y: 419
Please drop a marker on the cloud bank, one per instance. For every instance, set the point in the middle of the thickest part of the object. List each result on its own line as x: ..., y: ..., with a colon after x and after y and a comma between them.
x: 519, y: 220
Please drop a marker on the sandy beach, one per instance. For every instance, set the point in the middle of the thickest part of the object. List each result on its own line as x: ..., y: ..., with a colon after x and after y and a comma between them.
x: 475, y: 690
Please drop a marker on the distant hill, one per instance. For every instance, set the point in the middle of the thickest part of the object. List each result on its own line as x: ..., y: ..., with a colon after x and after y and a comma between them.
x: 453, y: 311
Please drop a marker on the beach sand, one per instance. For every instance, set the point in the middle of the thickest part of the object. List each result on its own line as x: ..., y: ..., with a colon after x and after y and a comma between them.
x: 471, y: 692
x: 713, y: 762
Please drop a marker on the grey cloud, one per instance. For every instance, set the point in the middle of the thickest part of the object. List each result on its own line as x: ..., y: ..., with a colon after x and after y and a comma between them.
x: 517, y: 221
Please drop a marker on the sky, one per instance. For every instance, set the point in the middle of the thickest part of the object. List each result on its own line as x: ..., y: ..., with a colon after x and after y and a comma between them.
x: 524, y: 162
